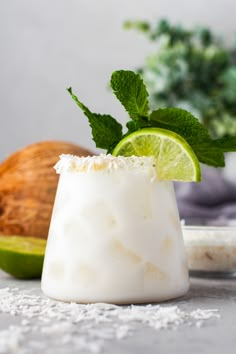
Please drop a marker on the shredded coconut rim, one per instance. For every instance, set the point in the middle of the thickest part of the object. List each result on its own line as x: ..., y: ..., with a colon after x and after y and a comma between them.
x: 96, y: 163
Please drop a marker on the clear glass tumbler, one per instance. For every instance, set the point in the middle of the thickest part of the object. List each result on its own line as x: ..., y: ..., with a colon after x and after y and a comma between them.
x: 115, y: 234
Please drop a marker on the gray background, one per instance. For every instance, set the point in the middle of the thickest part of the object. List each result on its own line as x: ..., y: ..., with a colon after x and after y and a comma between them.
x: 46, y: 46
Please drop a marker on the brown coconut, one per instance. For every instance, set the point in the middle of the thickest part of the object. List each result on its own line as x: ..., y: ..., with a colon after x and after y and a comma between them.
x: 28, y: 185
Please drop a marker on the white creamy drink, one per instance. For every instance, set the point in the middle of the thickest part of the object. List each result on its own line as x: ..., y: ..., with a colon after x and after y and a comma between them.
x: 115, y: 234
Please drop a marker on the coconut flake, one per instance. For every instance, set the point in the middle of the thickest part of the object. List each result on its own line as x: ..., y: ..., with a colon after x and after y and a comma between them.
x: 83, y: 327
x: 98, y: 163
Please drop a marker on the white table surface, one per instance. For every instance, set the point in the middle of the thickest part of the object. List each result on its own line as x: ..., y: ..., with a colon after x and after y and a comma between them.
x: 217, y: 336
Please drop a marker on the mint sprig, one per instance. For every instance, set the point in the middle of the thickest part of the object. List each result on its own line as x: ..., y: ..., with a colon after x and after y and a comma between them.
x: 131, y: 91
x: 106, y: 131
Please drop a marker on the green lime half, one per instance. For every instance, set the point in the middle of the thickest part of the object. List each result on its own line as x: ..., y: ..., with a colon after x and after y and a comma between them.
x: 175, y: 159
x: 22, y: 256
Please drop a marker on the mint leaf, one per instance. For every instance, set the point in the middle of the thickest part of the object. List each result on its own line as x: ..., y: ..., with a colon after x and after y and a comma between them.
x: 134, y: 125
x: 209, y: 154
x: 182, y: 121
x: 131, y: 92
x: 226, y: 144
x: 106, y: 131
x: 185, y: 124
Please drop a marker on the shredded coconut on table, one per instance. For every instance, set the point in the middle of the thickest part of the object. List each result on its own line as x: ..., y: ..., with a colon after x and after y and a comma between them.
x: 82, y: 327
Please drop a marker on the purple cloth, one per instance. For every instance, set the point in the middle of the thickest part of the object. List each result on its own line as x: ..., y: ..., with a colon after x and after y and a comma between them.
x: 213, y: 201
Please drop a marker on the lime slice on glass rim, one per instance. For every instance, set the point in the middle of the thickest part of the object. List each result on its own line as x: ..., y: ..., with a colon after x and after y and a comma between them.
x: 175, y: 159
x: 21, y: 256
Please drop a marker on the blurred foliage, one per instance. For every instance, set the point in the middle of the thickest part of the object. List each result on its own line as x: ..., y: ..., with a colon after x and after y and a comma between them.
x: 194, y: 70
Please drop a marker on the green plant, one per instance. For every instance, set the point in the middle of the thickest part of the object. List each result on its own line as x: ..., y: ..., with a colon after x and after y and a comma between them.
x: 194, y: 70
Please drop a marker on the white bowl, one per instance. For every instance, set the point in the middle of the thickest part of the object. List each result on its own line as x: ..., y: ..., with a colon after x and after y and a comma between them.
x: 210, y: 249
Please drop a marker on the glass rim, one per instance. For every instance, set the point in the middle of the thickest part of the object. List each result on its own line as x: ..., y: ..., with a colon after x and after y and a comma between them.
x: 208, y: 228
